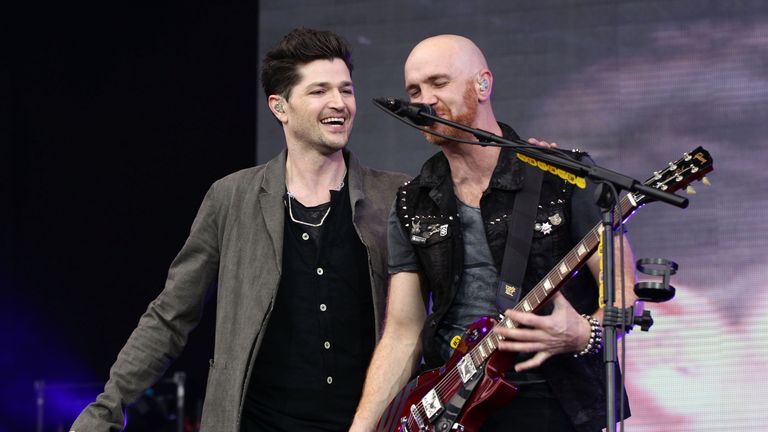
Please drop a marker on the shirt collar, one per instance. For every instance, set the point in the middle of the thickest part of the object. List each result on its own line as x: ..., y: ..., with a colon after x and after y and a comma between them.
x: 508, y: 174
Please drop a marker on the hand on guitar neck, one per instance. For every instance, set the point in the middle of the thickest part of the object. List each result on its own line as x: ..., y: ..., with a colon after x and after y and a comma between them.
x: 564, y: 330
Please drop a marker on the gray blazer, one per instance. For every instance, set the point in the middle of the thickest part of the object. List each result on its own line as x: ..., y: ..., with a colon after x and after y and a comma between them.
x: 236, y: 241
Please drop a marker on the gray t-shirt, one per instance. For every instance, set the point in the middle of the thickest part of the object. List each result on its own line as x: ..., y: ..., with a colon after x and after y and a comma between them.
x: 476, y: 296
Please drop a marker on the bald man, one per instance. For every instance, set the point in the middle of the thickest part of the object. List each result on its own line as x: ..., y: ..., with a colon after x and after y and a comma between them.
x: 447, y: 237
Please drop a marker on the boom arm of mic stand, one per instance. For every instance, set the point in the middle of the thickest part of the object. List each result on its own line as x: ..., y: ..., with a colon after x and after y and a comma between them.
x: 594, y: 172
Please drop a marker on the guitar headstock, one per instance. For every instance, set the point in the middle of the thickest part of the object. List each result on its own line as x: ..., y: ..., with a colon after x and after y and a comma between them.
x: 681, y: 173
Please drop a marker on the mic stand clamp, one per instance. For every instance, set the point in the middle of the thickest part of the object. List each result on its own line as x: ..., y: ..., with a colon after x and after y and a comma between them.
x: 626, y: 318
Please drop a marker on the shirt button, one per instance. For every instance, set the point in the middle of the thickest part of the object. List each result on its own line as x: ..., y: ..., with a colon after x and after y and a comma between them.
x: 320, y: 271
x: 323, y: 307
x: 327, y: 345
x: 329, y: 380
x: 305, y: 236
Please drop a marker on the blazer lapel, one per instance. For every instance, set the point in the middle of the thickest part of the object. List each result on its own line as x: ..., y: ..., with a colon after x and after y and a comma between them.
x: 271, y: 200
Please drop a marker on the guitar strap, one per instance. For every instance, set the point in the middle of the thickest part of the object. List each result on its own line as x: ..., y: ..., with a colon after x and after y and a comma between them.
x: 519, y: 236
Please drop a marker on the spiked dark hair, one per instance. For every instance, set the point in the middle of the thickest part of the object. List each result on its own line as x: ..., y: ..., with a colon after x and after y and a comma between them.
x: 301, y: 46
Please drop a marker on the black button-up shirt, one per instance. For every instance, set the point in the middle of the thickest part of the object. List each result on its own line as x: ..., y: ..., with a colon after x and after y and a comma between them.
x: 311, y: 365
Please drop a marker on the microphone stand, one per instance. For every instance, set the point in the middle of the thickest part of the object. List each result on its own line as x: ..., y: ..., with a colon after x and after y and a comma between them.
x: 606, y: 199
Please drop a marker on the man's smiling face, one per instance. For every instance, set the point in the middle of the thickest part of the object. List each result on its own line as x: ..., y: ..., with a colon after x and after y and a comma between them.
x: 321, y: 108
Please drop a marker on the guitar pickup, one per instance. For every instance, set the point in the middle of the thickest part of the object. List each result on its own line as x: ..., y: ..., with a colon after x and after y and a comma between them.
x: 467, y: 369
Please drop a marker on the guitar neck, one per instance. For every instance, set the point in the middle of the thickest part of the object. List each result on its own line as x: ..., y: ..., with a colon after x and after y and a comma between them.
x: 555, y: 279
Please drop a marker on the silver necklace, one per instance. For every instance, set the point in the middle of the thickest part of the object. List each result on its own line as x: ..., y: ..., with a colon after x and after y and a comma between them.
x: 290, y: 210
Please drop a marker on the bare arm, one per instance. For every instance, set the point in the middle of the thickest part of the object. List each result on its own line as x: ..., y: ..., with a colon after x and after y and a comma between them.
x: 397, y: 354
x: 565, y: 330
x: 629, y: 275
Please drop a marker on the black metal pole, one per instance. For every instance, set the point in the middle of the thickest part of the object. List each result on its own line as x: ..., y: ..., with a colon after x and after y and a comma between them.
x: 606, y: 201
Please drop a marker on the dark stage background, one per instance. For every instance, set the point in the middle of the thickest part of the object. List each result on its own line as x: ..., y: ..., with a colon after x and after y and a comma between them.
x: 119, y: 116
x: 116, y: 120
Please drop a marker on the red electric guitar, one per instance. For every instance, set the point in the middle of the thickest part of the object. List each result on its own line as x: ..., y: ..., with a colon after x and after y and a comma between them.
x: 461, y: 394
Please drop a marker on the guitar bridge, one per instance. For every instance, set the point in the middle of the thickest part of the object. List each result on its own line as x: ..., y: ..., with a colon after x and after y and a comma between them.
x: 416, y: 416
x: 431, y: 404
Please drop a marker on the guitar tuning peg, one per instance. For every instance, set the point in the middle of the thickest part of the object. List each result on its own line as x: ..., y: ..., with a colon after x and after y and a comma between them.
x: 690, y: 190
x: 706, y: 181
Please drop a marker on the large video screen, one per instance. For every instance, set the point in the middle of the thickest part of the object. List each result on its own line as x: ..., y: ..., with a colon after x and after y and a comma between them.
x: 636, y: 84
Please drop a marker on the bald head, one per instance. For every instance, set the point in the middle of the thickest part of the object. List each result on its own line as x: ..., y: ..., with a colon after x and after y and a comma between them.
x: 450, y: 73
x: 449, y: 52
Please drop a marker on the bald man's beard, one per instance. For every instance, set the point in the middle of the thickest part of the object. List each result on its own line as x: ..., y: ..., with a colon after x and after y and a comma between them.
x: 466, y: 118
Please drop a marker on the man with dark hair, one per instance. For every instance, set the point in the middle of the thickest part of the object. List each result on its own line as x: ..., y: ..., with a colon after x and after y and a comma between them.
x: 447, y: 240
x: 279, y: 73
x: 296, y: 250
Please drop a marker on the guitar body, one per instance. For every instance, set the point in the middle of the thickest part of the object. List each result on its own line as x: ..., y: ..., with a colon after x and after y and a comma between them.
x: 491, y: 391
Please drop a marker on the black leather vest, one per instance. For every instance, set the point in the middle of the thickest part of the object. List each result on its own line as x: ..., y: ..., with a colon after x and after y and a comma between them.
x: 427, y: 209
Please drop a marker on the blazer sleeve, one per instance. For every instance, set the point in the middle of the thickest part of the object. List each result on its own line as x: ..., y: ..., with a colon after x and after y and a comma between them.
x: 163, y: 329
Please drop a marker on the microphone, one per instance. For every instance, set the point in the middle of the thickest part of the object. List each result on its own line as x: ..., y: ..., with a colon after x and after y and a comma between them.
x: 413, y: 111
